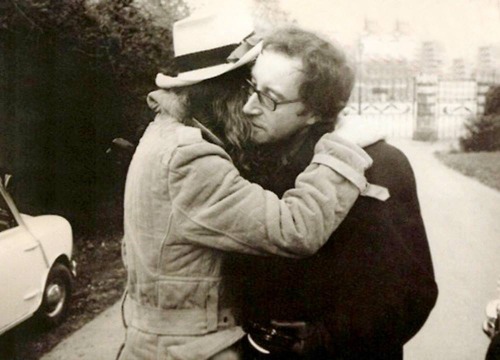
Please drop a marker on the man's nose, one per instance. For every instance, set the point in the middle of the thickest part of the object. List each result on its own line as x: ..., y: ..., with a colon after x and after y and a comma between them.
x: 252, y: 106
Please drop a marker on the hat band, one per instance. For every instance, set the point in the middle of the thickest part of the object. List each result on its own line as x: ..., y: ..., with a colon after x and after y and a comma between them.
x: 204, y: 59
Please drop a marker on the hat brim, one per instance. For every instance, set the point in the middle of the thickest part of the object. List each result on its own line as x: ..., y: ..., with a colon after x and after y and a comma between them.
x: 199, y: 75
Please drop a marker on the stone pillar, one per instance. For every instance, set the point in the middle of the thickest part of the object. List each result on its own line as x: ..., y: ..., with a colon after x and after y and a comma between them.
x: 426, y: 96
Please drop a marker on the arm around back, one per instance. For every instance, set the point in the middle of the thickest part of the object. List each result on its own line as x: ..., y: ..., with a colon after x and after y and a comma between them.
x: 214, y: 206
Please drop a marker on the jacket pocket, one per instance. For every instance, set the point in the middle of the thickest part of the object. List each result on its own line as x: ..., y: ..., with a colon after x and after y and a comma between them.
x: 188, y: 305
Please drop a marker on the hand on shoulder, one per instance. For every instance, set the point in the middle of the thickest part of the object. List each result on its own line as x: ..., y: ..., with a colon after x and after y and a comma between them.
x: 360, y: 131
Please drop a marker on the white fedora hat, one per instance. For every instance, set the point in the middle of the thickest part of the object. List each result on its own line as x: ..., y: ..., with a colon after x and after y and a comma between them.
x: 207, y: 45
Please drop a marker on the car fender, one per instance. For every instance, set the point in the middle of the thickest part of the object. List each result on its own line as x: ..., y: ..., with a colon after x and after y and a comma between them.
x: 54, y: 234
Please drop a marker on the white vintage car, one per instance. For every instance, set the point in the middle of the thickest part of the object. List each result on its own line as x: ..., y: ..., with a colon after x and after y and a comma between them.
x: 36, y: 268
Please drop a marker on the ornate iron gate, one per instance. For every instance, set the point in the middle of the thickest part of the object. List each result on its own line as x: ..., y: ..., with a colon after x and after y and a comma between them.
x: 422, y: 108
x: 390, y: 102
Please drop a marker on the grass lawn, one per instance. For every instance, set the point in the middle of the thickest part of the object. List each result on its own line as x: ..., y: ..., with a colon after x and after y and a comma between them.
x: 483, y: 166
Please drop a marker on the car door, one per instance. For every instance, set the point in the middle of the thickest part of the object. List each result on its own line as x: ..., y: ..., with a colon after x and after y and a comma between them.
x: 22, y: 269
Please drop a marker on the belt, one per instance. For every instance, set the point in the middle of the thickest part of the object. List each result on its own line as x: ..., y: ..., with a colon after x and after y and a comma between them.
x: 176, y: 322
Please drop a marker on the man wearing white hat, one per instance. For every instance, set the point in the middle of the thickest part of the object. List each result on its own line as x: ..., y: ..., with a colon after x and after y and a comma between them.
x: 186, y: 205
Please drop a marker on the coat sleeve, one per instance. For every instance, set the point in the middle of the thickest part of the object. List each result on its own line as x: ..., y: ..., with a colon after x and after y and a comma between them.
x: 214, y: 206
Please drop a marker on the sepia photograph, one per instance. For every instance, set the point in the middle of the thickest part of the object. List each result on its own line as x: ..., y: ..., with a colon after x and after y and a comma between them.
x: 250, y: 179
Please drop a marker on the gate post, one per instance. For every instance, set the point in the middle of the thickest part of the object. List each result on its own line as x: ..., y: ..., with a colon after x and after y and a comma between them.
x: 426, y: 96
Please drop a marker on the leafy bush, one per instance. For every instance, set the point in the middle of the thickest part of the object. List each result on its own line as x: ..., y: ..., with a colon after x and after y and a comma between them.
x: 483, y: 132
x: 73, y: 75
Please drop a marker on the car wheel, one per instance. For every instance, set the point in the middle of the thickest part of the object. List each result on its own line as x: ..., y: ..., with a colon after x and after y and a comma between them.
x: 56, y: 296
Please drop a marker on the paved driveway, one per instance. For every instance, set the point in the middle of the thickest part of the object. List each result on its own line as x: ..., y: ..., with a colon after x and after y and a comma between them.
x: 462, y: 220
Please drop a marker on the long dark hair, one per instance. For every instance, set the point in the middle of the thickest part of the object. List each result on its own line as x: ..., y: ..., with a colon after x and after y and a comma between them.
x: 218, y: 105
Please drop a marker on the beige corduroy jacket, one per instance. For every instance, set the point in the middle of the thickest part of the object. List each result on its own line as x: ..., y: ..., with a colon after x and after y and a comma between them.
x: 186, y: 207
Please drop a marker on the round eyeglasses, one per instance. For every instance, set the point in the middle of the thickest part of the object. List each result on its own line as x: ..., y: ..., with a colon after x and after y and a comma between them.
x: 264, y: 99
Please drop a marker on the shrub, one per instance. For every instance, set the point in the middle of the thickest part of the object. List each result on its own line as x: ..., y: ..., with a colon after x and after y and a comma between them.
x: 74, y: 74
x: 492, y: 105
x: 483, y: 132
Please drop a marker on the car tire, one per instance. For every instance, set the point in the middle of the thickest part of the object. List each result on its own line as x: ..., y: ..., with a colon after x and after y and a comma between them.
x: 56, y: 296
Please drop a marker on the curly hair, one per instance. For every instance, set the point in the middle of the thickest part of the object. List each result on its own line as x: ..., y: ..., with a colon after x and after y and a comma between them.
x: 328, y: 77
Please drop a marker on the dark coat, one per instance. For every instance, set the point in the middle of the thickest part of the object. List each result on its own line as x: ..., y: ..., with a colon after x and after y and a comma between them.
x: 371, y: 287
